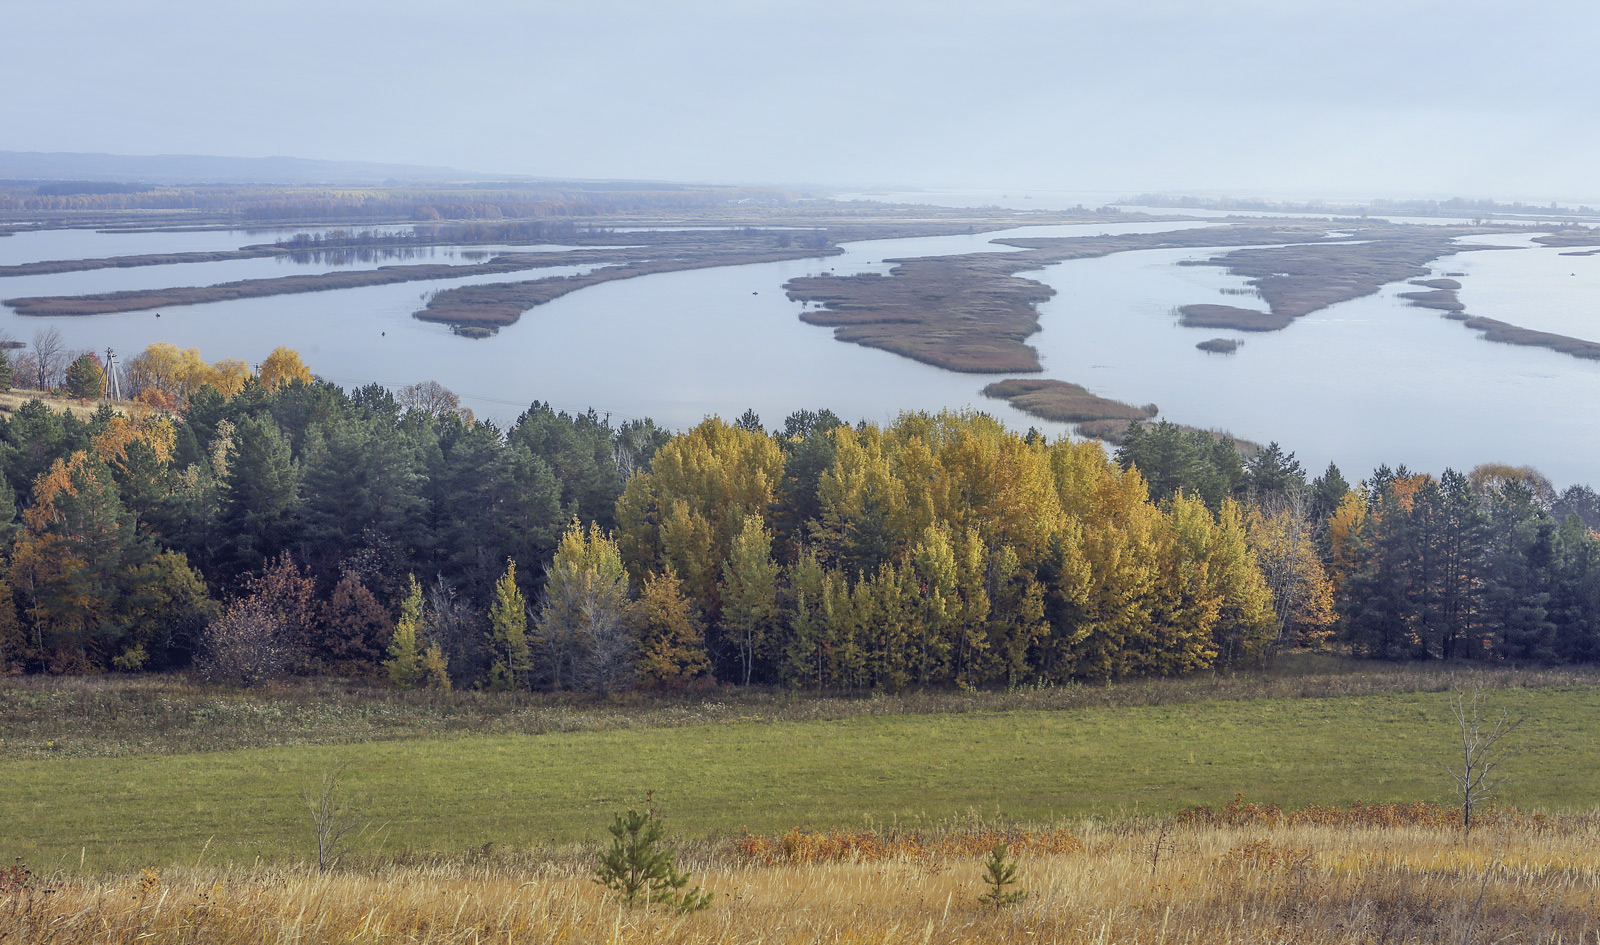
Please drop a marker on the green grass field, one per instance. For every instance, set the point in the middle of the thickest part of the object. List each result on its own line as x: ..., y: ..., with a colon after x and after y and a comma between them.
x: 456, y: 792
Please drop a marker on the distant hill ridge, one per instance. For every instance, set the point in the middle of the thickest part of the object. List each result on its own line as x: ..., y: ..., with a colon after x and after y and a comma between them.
x: 211, y: 169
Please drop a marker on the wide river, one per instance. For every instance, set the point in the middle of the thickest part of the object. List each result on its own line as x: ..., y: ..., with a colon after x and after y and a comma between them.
x: 1361, y: 383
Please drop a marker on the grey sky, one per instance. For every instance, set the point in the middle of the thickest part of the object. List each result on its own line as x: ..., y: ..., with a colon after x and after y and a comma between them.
x: 1342, y: 98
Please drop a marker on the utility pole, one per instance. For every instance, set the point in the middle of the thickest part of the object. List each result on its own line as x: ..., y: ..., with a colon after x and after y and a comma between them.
x: 111, y: 388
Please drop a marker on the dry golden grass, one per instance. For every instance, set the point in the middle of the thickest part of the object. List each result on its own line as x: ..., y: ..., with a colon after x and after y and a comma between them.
x: 1129, y: 882
x: 84, y: 409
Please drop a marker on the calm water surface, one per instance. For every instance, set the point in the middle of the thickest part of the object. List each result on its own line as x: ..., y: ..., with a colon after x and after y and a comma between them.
x: 1536, y: 287
x: 1373, y: 380
x: 40, y: 245
x: 232, y: 270
x: 1365, y: 382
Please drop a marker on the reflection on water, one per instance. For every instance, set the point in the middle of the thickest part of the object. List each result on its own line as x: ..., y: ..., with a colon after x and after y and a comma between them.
x: 41, y: 245
x: 349, y: 256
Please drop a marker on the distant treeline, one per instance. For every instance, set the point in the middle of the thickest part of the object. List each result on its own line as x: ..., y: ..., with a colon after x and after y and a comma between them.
x: 423, y: 203
x: 433, y: 234
x: 291, y: 526
x: 1454, y: 206
x: 65, y: 188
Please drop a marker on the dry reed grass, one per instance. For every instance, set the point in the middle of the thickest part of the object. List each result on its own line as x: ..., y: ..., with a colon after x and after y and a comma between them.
x: 1139, y: 882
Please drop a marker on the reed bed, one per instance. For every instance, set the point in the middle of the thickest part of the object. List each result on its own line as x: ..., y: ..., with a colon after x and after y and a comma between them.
x: 1132, y: 882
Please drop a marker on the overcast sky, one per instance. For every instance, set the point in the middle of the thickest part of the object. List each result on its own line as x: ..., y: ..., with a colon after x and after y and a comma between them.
x: 1338, y: 98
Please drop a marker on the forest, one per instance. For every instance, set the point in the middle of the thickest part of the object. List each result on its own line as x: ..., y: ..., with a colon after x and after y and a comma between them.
x: 255, y: 524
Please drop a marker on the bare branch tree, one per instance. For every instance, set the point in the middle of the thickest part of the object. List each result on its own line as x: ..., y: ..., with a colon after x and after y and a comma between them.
x: 248, y: 644
x: 331, y: 819
x: 459, y: 630
x: 605, y: 658
x: 50, y: 350
x: 1482, y: 752
x: 434, y: 399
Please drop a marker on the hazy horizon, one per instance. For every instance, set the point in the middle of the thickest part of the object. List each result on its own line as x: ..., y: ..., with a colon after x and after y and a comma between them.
x: 1354, y: 99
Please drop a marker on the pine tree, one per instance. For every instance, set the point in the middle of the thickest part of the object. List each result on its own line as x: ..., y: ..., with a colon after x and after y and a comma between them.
x: 5, y: 371
x: 1518, y: 562
x: 508, y: 633
x: 9, y: 527
x: 1272, y: 473
x: 363, y: 481
x: 998, y: 873
x: 641, y: 870
x: 260, y: 493
x: 85, y: 380
x: 1460, y: 572
x: 14, y: 650
x: 1327, y: 491
x: 1575, y: 598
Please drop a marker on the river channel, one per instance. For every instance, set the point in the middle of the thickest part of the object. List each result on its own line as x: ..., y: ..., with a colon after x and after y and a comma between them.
x: 1360, y: 383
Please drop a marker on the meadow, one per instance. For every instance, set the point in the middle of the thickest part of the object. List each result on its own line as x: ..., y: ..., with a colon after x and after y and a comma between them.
x: 119, y: 777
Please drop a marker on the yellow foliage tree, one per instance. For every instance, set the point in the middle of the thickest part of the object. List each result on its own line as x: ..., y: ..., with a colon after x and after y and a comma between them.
x: 282, y: 366
x: 153, y: 430
x: 228, y: 376
x: 584, y: 639
x: 672, y: 646
x: 1187, y: 606
x: 166, y: 375
x: 1344, y: 535
x: 1120, y: 533
x: 70, y: 554
x: 1301, y: 592
x: 1246, y: 626
x: 720, y: 473
x: 508, y: 633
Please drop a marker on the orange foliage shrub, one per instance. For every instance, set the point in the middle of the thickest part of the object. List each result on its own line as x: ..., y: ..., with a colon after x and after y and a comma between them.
x: 810, y: 846
x: 1241, y: 813
x: 1264, y: 854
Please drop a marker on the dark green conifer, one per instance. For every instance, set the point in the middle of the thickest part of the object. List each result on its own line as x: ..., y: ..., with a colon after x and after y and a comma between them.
x: 641, y: 871
x: 998, y: 873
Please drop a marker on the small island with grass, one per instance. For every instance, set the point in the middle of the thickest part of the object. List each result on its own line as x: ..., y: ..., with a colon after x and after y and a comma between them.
x: 1064, y: 402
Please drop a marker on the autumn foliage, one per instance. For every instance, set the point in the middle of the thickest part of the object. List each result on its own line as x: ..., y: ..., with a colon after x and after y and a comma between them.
x: 1239, y: 812
x: 939, y: 550
x: 804, y: 847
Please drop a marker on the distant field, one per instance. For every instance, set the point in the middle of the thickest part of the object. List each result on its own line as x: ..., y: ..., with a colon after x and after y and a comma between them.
x: 452, y: 793
x: 12, y: 399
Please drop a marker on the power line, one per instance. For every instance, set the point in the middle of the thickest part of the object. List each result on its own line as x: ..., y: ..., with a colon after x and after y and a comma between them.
x: 111, y: 384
